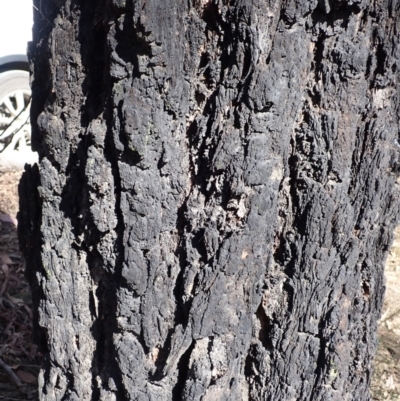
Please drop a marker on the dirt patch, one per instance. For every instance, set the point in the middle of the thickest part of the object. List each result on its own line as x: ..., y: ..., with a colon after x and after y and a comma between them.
x: 19, y: 360
x: 9, y: 191
x: 386, y: 379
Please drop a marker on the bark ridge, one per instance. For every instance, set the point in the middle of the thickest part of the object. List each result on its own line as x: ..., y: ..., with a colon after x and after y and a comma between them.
x: 217, y: 191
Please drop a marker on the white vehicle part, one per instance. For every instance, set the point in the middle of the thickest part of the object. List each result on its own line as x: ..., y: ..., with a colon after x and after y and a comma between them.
x: 15, y: 129
x: 16, y: 19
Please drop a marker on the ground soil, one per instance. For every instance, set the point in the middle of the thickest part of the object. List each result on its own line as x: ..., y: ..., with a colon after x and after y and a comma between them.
x: 19, y: 354
x: 16, y: 349
x: 386, y: 379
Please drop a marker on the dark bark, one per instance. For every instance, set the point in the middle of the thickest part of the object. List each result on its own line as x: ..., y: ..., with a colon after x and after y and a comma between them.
x: 216, y: 196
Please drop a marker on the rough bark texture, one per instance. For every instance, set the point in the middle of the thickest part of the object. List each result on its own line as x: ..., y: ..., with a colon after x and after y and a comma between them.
x: 216, y: 196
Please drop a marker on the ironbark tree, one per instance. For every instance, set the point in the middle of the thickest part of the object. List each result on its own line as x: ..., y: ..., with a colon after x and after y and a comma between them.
x: 216, y: 196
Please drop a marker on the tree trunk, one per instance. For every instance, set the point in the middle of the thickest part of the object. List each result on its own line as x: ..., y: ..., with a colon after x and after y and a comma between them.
x: 216, y: 196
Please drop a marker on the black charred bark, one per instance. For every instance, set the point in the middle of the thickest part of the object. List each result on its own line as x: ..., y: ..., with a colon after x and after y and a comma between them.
x: 217, y: 191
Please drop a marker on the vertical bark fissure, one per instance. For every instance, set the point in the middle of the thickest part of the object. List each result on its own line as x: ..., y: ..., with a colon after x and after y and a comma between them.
x: 94, y: 30
x: 214, y: 189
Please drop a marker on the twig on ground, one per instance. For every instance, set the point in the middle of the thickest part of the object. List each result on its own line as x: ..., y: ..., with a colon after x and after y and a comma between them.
x: 10, y: 372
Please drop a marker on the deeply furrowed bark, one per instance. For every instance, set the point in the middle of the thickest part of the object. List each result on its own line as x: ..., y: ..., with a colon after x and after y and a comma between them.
x: 216, y: 196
